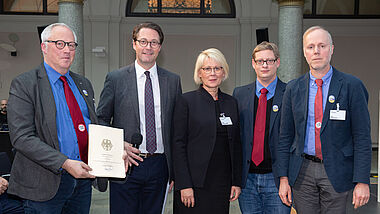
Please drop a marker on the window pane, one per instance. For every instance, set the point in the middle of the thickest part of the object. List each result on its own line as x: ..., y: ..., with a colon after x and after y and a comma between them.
x: 181, y: 6
x: 23, y: 6
x: 369, y: 7
x: 336, y: 7
x: 52, y: 6
x: 144, y: 6
x: 217, y: 7
x: 307, y: 7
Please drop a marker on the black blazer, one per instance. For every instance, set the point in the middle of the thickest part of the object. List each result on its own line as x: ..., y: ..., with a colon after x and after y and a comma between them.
x: 194, y: 137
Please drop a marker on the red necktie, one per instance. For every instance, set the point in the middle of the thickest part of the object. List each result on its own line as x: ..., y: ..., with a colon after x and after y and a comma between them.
x: 77, y: 118
x: 259, y: 131
x: 318, y: 113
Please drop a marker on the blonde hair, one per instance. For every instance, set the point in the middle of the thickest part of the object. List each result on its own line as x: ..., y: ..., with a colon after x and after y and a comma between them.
x: 211, y: 53
x: 313, y: 28
x: 266, y: 46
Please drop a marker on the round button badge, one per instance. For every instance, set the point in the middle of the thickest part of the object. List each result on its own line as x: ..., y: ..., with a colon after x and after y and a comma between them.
x: 81, y: 127
x: 318, y: 125
x: 275, y: 108
x: 331, y: 99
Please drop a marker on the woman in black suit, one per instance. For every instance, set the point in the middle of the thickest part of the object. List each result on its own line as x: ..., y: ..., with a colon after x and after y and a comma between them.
x: 207, y: 156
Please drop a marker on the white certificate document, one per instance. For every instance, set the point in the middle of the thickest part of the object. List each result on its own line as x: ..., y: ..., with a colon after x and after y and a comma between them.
x: 105, y: 151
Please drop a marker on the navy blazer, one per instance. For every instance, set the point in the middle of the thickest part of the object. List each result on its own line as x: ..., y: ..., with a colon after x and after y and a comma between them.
x: 346, y: 144
x: 195, y: 136
x: 245, y: 96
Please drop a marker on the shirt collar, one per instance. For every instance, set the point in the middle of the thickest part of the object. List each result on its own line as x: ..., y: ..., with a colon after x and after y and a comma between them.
x: 140, y: 70
x: 326, y: 79
x: 54, y: 75
x: 271, y: 87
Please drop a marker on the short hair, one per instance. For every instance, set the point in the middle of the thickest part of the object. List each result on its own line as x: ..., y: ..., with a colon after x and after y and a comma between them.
x: 150, y: 25
x: 266, y: 46
x: 46, y: 33
x: 211, y: 53
x: 313, y: 28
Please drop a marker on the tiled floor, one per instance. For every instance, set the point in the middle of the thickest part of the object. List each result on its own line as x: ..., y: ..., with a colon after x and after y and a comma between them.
x: 100, y: 204
x: 100, y: 200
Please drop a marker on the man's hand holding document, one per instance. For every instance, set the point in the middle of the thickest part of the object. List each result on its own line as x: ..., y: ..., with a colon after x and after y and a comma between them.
x: 105, y: 151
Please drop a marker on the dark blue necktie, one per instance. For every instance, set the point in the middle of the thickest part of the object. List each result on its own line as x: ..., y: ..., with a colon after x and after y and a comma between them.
x: 150, y: 124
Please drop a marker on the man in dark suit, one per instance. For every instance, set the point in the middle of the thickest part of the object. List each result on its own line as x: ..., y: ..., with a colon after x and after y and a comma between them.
x: 140, y: 98
x: 49, y: 111
x: 325, y: 141
x: 259, y: 193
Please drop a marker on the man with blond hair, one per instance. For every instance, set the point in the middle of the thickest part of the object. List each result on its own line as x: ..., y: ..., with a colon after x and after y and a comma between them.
x: 260, y: 115
x: 325, y: 142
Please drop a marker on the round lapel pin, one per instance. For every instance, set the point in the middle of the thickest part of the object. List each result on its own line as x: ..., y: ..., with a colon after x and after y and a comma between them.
x: 275, y: 108
x: 85, y: 93
x: 331, y: 99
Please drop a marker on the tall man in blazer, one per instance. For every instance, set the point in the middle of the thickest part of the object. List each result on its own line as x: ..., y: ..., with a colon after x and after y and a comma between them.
x: 325, y: 141
x: 48, y: 133
x: 140, y: 98
x: 259, y: 180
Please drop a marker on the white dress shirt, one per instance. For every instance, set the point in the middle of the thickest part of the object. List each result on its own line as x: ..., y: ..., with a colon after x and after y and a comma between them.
x: 141, y: 78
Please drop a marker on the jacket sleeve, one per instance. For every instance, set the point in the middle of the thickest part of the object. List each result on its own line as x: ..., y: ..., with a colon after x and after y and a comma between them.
x: 24, y: 132
x: 182, y: 174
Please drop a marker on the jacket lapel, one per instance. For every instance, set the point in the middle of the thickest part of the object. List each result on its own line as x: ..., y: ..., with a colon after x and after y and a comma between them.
x: 277, y: 100
x: 251, y: 94
x: 48, y: 108
x: 334, y: 89
x: 163, y: 84
x: 89, y: 102
x: 131, y: 90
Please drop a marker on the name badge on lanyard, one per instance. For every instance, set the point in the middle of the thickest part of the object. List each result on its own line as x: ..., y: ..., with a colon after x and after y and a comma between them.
x: 225, y: 121
x: 337, y: 114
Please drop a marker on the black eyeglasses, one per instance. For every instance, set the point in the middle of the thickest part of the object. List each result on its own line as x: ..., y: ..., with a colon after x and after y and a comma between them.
x: 268, y: 61
x: 144, y: 43
x: 60, y: 44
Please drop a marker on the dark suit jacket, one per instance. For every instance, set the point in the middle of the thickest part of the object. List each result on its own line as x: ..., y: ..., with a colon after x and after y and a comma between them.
x: 245, y: 96
x: 195, y: 136
x: 33, y: 131
x: 119, y: 105
x: 346, y: 145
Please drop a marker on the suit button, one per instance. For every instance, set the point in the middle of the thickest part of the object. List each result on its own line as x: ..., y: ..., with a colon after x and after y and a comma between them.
x: 248, y: 161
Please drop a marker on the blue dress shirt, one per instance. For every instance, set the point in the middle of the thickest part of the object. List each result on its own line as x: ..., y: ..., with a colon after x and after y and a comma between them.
x: 68, y: 142
x: 271, y: 88
x: 310, y: 130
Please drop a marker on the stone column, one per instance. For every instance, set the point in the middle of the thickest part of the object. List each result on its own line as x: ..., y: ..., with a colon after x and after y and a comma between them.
x: 71, y: 13
x: 290, y: 29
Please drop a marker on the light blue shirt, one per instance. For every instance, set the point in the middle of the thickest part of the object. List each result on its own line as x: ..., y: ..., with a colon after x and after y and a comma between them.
x: 67, y: 137
x: 271, y: 88
x: 310, y: 130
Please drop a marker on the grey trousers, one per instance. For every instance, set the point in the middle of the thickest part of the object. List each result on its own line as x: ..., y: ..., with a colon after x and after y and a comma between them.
x: 313, y: 192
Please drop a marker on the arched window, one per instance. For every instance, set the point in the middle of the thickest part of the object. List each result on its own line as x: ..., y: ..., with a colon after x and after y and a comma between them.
x: 342, y: 9
x: 181, y: 8
x: 25, y: 7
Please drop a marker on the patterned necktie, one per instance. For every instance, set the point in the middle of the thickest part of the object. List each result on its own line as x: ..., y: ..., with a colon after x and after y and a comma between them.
x: 150, y: 124
x: 318, y: 116
x: 78, y: 121
x: 259, y: 131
